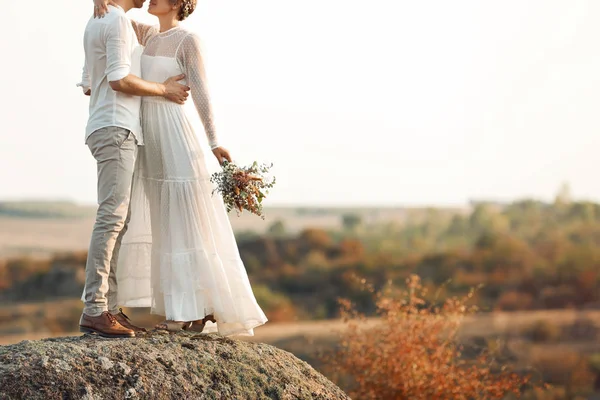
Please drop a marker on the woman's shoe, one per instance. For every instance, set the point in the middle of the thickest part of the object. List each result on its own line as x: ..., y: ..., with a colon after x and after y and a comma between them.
x: 173, y: 326
x: 198, y: 326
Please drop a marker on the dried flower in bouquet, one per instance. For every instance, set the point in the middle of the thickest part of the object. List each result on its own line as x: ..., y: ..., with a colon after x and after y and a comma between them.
x: 243, y: 188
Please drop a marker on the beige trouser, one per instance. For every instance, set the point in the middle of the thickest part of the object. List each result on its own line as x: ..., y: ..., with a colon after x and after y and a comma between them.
x: 115, y: 150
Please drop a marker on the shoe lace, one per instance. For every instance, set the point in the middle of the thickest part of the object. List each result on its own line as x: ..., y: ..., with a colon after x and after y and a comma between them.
x: 121, y: 311
x: 111, y: 318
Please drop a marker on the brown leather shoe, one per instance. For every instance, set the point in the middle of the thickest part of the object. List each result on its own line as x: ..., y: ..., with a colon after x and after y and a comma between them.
x: 105, y: 325
x: 126, y: 322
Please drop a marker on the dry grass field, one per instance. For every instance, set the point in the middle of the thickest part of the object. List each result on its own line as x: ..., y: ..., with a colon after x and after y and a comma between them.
x: 43, y: 236
x: 36, y: 236
x: 556, y: 343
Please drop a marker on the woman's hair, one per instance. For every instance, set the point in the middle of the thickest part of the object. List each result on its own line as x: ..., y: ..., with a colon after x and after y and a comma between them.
x: 187, y: 8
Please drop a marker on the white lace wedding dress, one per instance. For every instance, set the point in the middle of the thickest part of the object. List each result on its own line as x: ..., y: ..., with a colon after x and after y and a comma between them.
x: 179, y: 255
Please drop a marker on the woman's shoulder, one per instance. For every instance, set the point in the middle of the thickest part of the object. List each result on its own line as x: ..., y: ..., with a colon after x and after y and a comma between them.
x: 189, y: 35
x: 191, y: 39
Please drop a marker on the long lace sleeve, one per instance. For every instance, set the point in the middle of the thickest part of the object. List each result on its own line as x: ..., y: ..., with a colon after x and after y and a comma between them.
x: 144, y: 31
x: 191, y: 60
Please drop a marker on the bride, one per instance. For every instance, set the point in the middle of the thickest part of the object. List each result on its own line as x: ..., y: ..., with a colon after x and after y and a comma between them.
x: 179, y: 255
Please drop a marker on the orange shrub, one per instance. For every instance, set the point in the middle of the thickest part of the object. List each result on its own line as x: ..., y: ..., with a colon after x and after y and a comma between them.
x: 413, y: 353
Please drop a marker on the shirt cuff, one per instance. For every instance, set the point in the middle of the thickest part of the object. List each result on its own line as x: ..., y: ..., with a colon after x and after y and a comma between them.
x: 117, y: 74
x: 85, y: 86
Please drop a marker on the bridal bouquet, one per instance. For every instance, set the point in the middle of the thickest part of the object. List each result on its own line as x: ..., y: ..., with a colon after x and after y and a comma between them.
x: 243, y: 188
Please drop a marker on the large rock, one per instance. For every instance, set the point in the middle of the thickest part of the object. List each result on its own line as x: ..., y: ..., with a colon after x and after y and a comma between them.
x: 158, y: 366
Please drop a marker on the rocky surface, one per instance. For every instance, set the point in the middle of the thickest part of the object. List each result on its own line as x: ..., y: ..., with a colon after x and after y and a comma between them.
x: 157, y: 366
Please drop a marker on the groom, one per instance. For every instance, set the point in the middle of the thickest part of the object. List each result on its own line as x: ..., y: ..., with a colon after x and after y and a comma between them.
x: 111, y: 79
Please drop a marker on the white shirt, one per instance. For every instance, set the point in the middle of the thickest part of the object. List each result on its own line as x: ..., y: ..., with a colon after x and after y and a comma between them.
x: 112, y: 52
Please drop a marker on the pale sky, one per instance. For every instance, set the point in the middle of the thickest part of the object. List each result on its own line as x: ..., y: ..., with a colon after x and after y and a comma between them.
x: 376, y: 102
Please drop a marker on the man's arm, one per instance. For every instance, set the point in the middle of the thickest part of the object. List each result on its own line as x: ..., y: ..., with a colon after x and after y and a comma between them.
x: 118, y: 66
x: 170, y: 89
x: 85, y: 80
x: 133, y: 85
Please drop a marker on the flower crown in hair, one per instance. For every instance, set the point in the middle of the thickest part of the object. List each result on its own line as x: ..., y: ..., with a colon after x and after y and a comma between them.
x: 187, y: 8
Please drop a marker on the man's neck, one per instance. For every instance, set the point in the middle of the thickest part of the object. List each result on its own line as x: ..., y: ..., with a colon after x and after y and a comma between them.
x: 126, y: 5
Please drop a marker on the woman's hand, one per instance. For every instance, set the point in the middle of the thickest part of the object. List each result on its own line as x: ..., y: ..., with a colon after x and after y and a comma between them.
x: 221, y: 154
x: 101, y: 7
